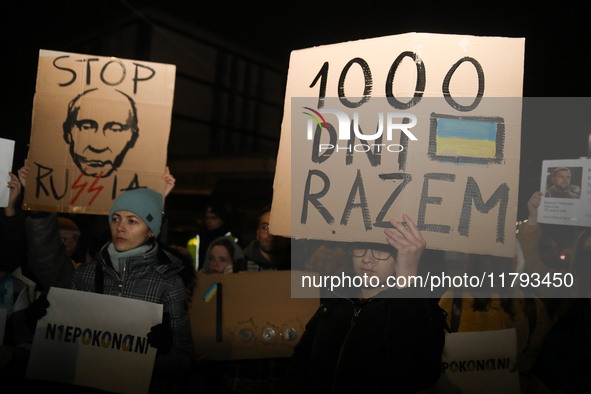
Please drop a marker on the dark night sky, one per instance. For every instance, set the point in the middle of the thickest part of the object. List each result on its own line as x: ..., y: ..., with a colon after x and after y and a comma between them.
x: 557, y: 59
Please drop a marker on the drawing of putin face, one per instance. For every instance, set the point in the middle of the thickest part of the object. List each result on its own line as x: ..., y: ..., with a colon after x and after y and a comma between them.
x: 100, y: 131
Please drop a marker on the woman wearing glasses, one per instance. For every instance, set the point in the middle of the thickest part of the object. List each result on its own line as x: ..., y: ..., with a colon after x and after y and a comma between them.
x: 385, y: 335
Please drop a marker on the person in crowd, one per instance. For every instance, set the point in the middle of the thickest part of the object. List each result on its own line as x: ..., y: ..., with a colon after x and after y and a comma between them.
x: 488, y: 309
x: 565, y: 359
x: 547, y: 251
x: 15, y: 294
x: 45, y: 248
x: 223, y: 256
x: 151, y: 274
x: 267, y: 252
x: 216, y: 225
x: 388, y: 327
x: 69, y: 234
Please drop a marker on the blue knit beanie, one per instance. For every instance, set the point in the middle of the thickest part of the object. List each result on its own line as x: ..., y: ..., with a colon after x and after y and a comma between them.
x: 145, y: 203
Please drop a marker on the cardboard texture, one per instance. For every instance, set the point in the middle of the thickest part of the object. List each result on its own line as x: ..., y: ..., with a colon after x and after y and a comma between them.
x: 86, y: 337
x: 454, y: 170
x: 259, y: 319
x: 100, y: 126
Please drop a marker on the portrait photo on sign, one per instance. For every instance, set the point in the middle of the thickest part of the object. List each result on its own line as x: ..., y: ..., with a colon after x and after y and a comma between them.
x: 564, y: 182
x: 566, y: 185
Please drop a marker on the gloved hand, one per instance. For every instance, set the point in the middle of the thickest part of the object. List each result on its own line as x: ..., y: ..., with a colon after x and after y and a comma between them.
x: 36, y: 310
x: 160, y: 335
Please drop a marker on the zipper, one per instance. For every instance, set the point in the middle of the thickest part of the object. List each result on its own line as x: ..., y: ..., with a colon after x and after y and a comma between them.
x: 122, y: 278
x: 356, y: 312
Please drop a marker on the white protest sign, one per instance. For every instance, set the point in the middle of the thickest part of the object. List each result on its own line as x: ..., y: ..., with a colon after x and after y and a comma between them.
x: 423, y: 124
x: 6, y: 154
x: 478, y: 363
x: 95, y: 340
x: 567, y: 192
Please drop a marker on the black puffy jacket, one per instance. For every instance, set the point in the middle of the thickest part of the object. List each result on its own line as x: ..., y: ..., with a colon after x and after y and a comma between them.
x: 384, y: 344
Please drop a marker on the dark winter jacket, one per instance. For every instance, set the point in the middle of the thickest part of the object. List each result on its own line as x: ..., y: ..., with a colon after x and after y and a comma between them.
x: 374, y: 345
x: 153, y: 277
x: 46, y: 253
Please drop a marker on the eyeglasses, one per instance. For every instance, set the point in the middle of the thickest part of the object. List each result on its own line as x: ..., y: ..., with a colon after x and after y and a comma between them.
x: 264, y: 228
x: 378, y: 254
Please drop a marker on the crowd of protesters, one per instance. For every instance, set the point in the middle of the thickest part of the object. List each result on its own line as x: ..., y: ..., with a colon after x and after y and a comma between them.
x: 359, y: 339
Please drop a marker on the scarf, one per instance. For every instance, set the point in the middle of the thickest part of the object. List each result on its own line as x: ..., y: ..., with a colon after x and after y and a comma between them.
x: 117, y: 255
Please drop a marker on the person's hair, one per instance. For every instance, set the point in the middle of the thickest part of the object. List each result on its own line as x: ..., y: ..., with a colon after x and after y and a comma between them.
x: 226, y: 243
x: 559, y: 169
x: 265, y: 209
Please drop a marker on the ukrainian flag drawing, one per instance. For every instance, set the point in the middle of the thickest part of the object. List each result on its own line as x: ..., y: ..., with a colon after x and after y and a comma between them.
x: 466, y: 138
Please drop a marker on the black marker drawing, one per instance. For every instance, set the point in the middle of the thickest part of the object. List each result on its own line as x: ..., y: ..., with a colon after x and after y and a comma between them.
x: 99, y: 142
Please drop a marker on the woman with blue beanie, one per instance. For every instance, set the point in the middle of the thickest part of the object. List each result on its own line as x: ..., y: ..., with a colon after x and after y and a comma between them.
x: 133, y: 265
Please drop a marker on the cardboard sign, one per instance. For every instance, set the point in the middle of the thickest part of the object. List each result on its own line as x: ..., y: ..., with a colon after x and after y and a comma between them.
x: 6, y: 155
x: 95, y: 340
x: 422, y: 124
x: 478, y: 363
x: 567, y: 192
x: 248, y: 315
x: 100, y: 127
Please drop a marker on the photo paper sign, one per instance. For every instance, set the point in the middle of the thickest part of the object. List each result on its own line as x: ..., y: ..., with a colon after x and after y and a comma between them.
x: 100, y: 127
x: 6, y: 155
x: 478, y: 363
x: 426, y: 125
x: 95, y: 340
x: 567, y: 192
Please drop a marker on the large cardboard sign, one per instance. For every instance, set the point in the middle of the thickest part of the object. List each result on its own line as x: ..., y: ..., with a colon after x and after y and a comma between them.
x: 95, y: 340
x: 567, y: 192
x: 423, y: 124
x: 249, y: 315
x: 478, y: 363
x: 6, y: 155
x: 100, y: 127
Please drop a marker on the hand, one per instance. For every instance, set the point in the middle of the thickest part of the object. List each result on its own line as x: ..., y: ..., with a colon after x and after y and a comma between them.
x: 15, y: 190
x: 410, y: 245
x: 532, y: 206
x: 36, y: 310
x: 160, y: 335
x: 23, y: 172
x: 169, y: 179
